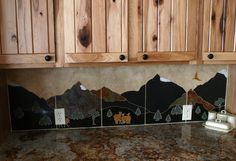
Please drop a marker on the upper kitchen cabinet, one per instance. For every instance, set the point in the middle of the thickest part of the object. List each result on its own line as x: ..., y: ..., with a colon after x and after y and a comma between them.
x: 168, y: 30
x: 27, y: 33
x: 94, y: 30
x: 219, y: 31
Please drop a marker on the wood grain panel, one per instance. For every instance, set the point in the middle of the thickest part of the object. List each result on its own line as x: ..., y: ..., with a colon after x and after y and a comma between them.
x: 231, y: 90
x: 135, y: 29
x: 219, y: 56
x: 99, y: 25
x: 69, y: 26
x: 179, y: 25
x: 40, y: 26
x: 230, y: 25
x: 206, y: 25
x: 95, y: 57
x: 150, y: 20
x: 24, y: 26
x: 192, y: 28
x: 8, y: 27
x: 124, y: 30
x: 140, y: 25
x: 59, y: 32
x: 37, y: 58
x: 164, y: 25
x: 51, y: 30
x: 167, y: 56
x: 83, y: 26
x: 114, y: 28
x: 217, y: 28
x: 4, y: 109
x: 0, y: 30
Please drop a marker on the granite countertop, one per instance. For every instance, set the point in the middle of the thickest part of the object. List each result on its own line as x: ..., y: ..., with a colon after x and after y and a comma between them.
x: 177, y: 142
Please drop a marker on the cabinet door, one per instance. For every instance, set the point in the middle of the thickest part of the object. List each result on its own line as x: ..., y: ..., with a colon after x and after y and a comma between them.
x: 168, y: 30
x: 95, y: 31
x: 219, y: 31
x: 27, y: 32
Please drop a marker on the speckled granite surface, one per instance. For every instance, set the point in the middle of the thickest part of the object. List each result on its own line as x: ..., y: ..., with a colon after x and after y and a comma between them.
x: 150, y: 143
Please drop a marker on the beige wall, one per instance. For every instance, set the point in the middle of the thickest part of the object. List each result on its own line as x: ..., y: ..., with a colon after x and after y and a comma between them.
x: 48, y: 82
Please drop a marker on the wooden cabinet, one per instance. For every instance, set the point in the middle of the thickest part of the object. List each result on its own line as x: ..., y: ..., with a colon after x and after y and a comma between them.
x: 108, y: 31
x: 168, y: 30
x: 27, y: 32
x: 94, y: 30
x: 219, y: 31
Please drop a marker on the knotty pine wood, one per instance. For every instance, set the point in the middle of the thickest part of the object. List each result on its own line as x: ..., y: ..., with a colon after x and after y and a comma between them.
x: 68, y: 22
x: 192, y: 22
x: 164, y: 10
x: 98, y: 58
x: 114, y: 27
x: 4, y: 110
x: 51, y: 25
x: 219, y: 31
x: 60, y: 21
x: 167, y: 56
x: 99, y: 25
x: 40, y: 27
x: 8, y: 27
x: 83, y: 26
x: 26, y: 29
x: 26, y: 59
x: 206, y: 25
x: 168, y: 26
x: 217, y: 27
x: 219, y: 56
x: 124, y: 26
x: 150, y: 23
x: 231, y: 90
x: 230, y: 25
x: 23, y: 9
x: 179, y: 27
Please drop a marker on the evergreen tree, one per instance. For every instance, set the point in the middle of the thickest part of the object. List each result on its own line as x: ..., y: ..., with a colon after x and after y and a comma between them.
x: 220, y: 103
x: 168, y: 118
x: 173, y: 111
x: 198, y: 110
x: 138, y: 112
x: 204, y: 116
x: 157, y: 117
x: 179, y: 110
x: 80, y: 115
x: 109, y: 113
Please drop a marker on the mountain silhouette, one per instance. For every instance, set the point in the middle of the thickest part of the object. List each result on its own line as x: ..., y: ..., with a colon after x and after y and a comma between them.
x: 79, y: 103
x: 160, y: 95
x: 136, y: 97
x: 28, y: 111
x: 193, y: 98
x: 108, y: 95
x: 214, y: 89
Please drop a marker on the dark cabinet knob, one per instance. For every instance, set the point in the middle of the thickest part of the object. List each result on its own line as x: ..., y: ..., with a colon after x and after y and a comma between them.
x: 48, y: 58
x: 145, y: 57
x: 210, y: 56
x: 122, y: 57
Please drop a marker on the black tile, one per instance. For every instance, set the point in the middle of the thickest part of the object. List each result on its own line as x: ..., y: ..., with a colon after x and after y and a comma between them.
x: 164, y: 101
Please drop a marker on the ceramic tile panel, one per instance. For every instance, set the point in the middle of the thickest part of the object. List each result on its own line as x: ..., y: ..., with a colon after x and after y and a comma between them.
x: 164, y: 101
x: 82, y: 106
x: 28, y: 111
x: 209, y: 96
x: 31, y: 110
x: 114, y: 96
x: 126, y: 107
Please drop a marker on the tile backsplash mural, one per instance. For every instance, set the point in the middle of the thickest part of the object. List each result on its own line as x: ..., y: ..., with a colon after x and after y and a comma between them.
x: 114, y: 96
